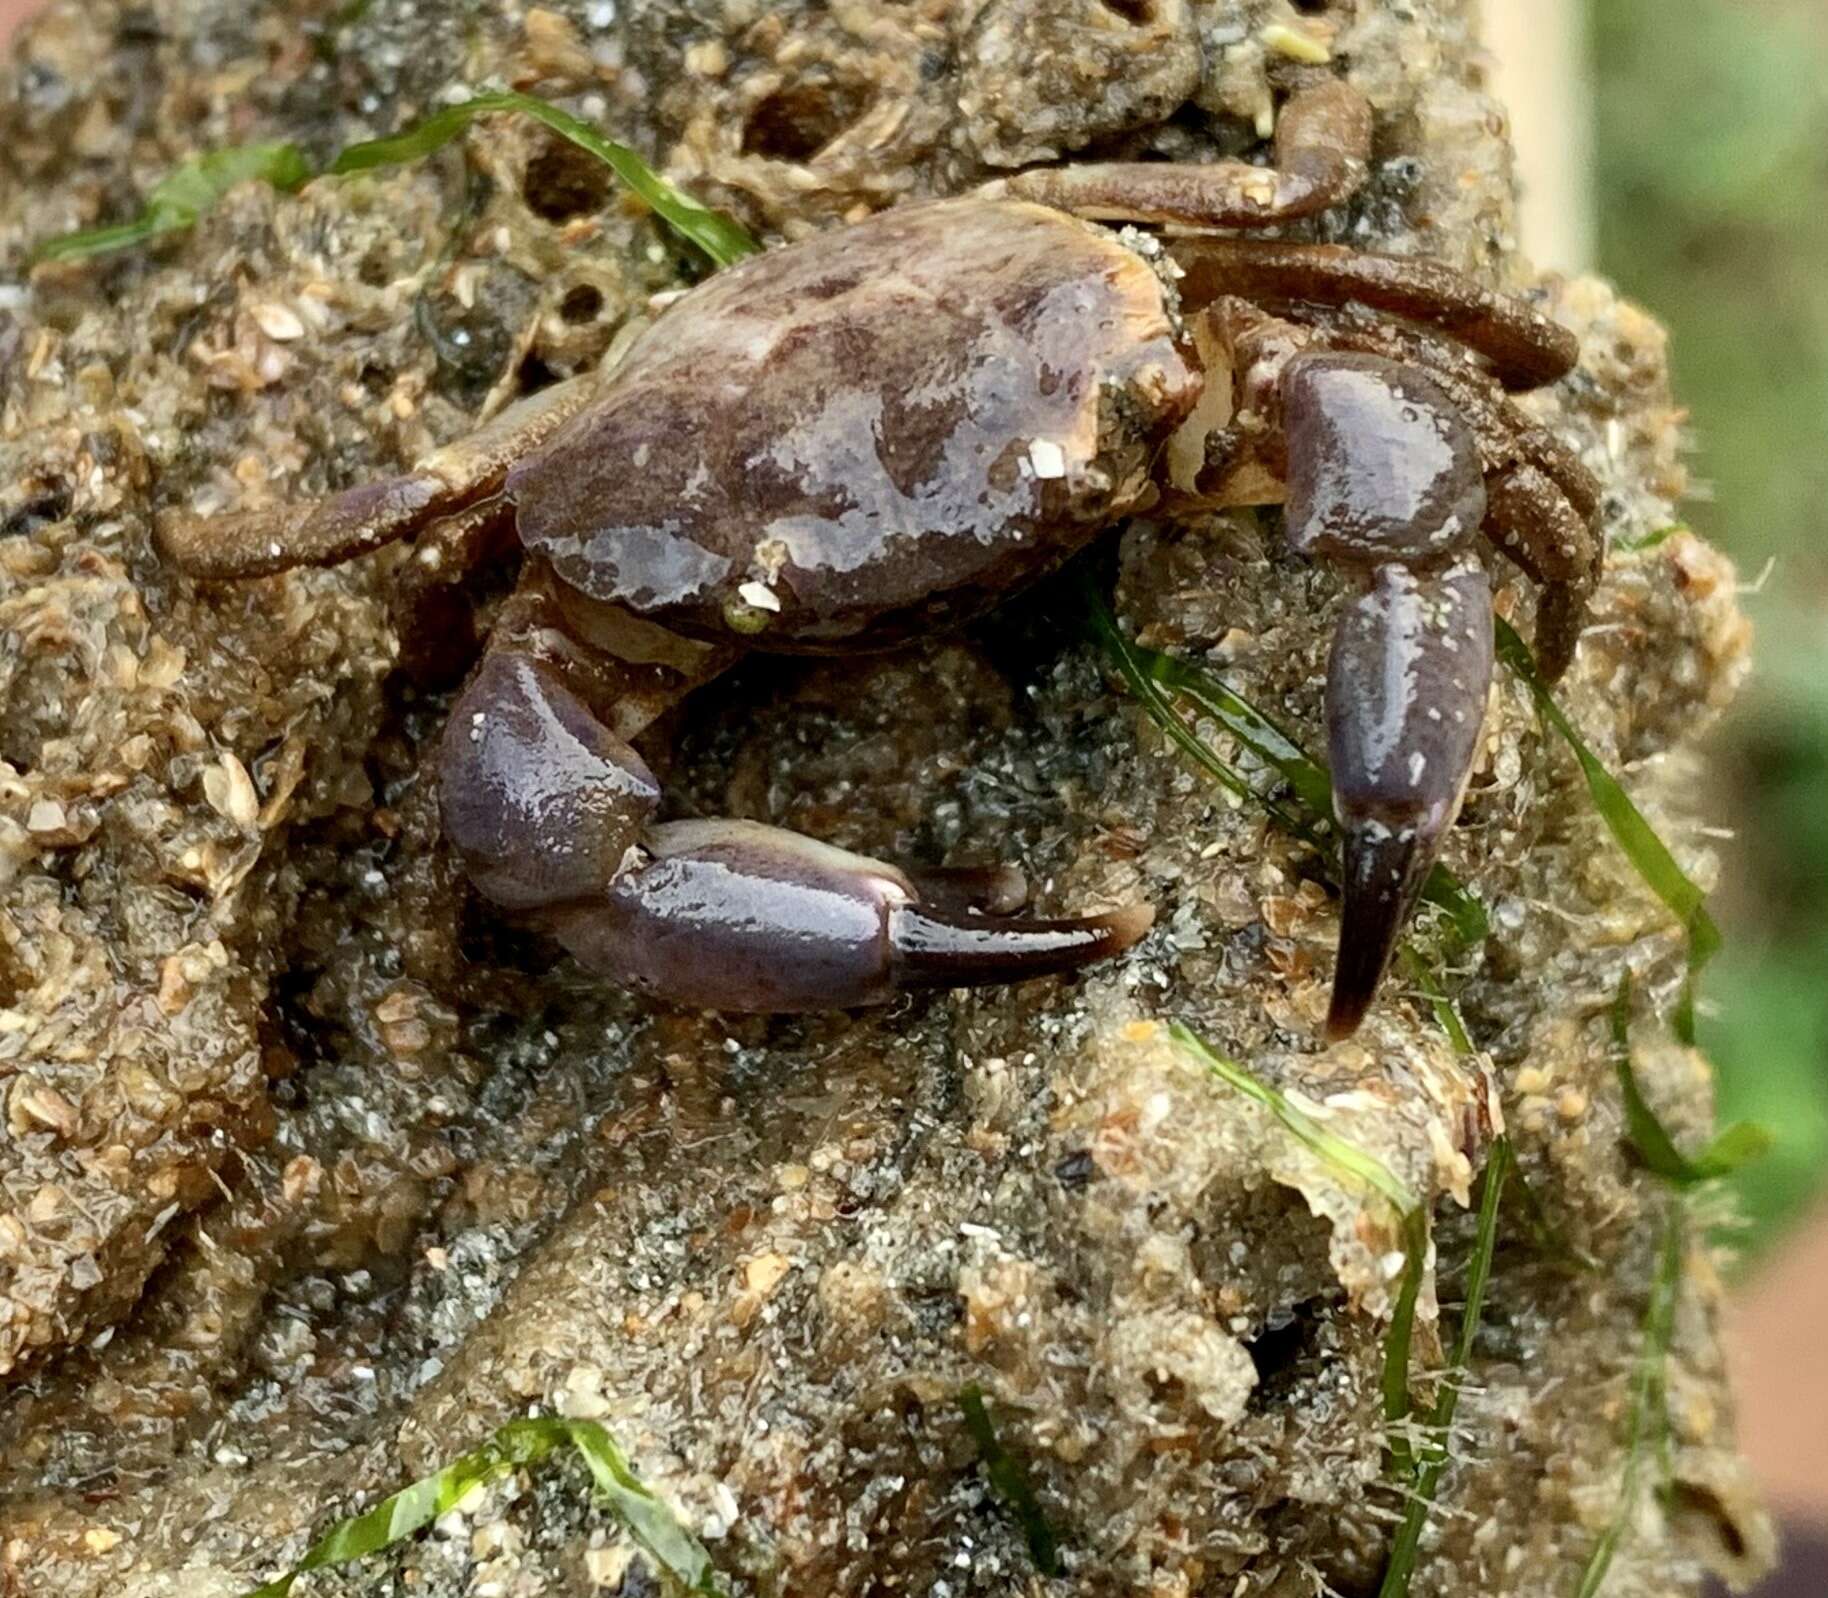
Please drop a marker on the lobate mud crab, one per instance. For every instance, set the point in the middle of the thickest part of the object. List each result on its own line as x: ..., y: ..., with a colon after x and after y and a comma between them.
x: 850, y: 441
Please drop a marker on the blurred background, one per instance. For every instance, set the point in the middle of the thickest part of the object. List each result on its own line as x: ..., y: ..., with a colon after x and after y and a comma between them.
x: 1681, y: 148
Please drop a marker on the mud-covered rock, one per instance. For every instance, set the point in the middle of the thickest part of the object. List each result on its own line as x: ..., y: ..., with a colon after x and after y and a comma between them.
x: 313, y: 1174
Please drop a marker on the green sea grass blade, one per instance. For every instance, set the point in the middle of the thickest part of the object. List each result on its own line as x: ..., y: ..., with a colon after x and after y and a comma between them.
x: 1431, y: 1459
x: 1650, y: 540
x: 185, y: 194
x: 1134, y: 666
x: 719, y: 237
x: 674, y: 1550
x: 1731, y: 1149
x: 1649, y: 1419
x: 1010, y: 1482
x: 1633, y: 834
x: 196, y: 187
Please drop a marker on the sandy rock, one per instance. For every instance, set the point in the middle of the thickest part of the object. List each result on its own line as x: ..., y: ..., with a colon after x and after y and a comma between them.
x: 313, y: 1174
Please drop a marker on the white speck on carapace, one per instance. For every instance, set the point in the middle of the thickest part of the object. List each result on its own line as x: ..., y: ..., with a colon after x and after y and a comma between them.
x: 1047, y: 458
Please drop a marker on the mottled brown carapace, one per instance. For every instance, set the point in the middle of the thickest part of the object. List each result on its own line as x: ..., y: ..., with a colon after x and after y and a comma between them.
x: 884, y: 429
x: 879, y: 430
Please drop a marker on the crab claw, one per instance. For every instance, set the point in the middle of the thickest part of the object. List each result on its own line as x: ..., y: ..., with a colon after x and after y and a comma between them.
x: 734, y: 915
x: 935, y: 949
x: 1385, y: 479
x: 1406, y: 689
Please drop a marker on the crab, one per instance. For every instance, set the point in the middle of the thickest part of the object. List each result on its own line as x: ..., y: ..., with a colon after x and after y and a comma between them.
x: 849, y: 442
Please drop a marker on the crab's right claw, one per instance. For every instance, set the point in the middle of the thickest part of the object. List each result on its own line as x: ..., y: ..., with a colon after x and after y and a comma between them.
x: 734, y: 915
x: 1406, y: 689
x: 934, y: 949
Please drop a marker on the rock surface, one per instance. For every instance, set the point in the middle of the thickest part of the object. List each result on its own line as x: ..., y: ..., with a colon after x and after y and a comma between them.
x: 311, y: 1176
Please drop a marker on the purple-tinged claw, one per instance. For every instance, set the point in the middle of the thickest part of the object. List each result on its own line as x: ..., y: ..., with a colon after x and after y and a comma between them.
x: 937, y: 950
x: 1406, y: 690
x: 1384, y: 871
x: 733, y: 915
x: 1382, y: 467
x: 1385, y: 478
x: 539, y: 799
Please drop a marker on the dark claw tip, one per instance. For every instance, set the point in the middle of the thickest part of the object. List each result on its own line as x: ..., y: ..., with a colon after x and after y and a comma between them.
x: 1385, y: 868
x: 935, y: 948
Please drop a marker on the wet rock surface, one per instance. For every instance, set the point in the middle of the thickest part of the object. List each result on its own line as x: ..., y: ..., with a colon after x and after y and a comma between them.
x: 312, y: 1175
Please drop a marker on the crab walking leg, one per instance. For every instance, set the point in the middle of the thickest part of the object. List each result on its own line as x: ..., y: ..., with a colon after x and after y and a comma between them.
x: 552, y: 812
x: 1526, y: 348
x: 462, y: 477
x: 1322, y: 153
x: 1556, y: 540
x: 1385, y: 479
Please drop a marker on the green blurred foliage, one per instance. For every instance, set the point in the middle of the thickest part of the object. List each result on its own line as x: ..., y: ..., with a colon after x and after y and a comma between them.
x: 1713, y: 201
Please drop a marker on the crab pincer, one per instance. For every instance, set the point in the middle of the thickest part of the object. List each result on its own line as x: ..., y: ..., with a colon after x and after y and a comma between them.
x: 552, y: 814
x: 1385, y: 479
x: 735, y: 915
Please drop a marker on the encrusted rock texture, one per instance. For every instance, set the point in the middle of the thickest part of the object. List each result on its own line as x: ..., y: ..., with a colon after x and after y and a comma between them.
x: 312, y: 1175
